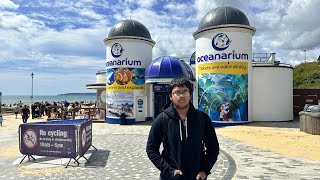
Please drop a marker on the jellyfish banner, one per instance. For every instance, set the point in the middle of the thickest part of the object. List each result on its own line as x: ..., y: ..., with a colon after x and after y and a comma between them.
x: 222, y: 72
x: 223, y: 92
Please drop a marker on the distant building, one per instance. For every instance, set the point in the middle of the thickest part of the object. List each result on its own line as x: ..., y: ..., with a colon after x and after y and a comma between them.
x: 100, y: 87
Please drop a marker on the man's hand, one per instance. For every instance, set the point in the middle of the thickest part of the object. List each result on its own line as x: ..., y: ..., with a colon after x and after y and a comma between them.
x: 201, y: 175
x: 177, y: 171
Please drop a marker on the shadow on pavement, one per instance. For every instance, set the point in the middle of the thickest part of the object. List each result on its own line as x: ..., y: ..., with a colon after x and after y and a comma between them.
x: 98, y: 158
x: 45, y: 160
x: 143, y: 123
x: 286, y: 124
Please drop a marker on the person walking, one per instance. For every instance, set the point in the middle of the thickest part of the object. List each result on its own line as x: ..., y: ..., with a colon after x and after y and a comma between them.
x: 16, y: 110
x: 42, y: 109
x: 184, y: 132
x: 1, y: 120
x: 25, y: 112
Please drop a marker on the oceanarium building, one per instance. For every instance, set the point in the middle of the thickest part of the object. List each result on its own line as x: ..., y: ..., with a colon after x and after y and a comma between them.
x: 230, y: 84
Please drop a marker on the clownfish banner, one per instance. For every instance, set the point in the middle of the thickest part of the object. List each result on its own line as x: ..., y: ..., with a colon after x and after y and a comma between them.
x: 124, y: 79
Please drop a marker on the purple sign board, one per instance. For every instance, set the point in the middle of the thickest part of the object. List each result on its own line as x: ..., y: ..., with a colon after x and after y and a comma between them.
x: 85, y: 137
x: 160, y: 88
x: 48, y: 140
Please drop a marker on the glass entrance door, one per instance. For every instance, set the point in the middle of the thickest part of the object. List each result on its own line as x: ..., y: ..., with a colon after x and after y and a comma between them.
x: 160, y: 99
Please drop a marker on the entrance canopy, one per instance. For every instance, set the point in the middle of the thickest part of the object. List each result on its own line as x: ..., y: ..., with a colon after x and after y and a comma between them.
x: 167, y: 67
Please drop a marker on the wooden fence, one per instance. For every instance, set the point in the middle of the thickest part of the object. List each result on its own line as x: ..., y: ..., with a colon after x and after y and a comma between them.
x: 310, y: 122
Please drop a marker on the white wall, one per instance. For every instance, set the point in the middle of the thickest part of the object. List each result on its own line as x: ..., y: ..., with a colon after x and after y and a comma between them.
x: 272, y: 95
x: 101, y: 77
x: 150, y: 97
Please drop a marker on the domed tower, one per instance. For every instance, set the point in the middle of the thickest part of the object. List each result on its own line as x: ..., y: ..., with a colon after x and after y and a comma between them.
x: 129, y: 52
x: 224, y: 64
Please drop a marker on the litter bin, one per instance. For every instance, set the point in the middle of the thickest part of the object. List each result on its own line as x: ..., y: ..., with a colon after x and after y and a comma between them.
x: 123, y: 119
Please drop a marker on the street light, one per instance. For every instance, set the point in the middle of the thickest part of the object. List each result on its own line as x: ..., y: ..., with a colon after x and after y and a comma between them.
x: 31, y: 88
x: 305, y: 55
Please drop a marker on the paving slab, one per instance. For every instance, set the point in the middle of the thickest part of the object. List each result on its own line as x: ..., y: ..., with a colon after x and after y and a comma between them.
x: 121, y: 155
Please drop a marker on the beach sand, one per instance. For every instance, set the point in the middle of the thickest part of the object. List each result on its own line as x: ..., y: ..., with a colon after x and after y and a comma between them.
x: 11, y: 125
x: 281, y: 137
x: 10, y: 120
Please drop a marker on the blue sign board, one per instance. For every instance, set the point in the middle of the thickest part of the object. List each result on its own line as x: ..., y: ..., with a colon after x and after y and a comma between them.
x: 160, y: 88
x: 85, y: 137
x: 52, y: 140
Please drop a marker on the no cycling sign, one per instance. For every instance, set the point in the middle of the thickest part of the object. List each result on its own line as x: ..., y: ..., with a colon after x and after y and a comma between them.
x: 30, y: 138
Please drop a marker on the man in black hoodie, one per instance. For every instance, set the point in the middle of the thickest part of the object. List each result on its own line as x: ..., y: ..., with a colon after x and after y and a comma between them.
x: 184, y: 132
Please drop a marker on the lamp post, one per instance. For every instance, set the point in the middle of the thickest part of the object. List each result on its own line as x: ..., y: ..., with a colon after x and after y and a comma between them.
x: 31, y: 89
x: 305, y: 55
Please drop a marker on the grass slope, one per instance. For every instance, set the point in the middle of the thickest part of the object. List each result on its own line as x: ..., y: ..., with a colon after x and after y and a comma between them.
x: 306, y: 76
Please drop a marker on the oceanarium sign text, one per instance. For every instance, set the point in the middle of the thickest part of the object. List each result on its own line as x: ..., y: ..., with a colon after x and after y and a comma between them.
x: 116, y: 51
x: 221, y: 42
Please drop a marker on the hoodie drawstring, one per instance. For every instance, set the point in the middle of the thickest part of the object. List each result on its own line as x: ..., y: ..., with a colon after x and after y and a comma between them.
x: 185, y: 123
x: 180, y: 130
x: 186, y: 127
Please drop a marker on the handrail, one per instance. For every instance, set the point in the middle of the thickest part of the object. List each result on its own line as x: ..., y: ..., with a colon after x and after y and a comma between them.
x: 89, y: 110
x: 262, y: 57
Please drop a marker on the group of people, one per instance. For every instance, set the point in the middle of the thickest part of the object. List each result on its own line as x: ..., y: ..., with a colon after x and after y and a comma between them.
x: 24, y: 111
x: 38, y: 109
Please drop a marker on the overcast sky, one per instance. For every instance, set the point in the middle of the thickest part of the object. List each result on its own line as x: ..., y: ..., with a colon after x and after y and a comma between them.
x: 61, y: 41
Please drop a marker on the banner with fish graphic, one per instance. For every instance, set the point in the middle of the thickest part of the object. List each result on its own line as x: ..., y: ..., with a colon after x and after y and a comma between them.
x: 125, y: 79
x: 126, y: 62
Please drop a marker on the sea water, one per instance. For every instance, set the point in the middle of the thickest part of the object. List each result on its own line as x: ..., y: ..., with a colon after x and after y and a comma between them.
x: 11, y: 99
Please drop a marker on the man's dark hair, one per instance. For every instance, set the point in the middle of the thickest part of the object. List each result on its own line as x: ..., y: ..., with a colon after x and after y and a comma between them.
x: 180, y: 82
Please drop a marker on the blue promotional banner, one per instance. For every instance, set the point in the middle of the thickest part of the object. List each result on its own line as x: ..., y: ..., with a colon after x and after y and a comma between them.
x: 85, y: 137
x: 52, y: 140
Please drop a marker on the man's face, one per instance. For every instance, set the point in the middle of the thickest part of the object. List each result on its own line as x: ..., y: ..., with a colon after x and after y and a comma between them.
x: 180, y: 96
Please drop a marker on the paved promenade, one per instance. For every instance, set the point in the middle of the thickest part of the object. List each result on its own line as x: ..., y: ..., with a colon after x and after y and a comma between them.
x: 121, y: 155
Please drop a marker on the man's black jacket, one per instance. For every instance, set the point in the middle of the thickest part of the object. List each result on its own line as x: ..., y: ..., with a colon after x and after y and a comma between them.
x: 182, y: 144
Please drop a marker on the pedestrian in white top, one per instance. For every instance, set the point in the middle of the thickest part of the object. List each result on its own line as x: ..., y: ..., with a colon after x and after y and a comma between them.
x: 16, y: 111
x: 1, y: 120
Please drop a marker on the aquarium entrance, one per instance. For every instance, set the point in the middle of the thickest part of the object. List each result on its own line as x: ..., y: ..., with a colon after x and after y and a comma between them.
x: 160, y: 99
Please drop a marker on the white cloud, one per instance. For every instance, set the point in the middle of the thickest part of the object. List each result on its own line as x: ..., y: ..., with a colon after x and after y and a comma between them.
x: 304, y: 40
x: 170, y: 38
x: 66, y: 61
x: 8, y: 4
x: 180, y: 9
x: 142, y: 3
x: 203, y: 7
x: 176, y: 42
x: 146, y: 3
x: 91, y: 14
x: 29, y: 39
x: 69, y: 40
x: 18, y: 22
